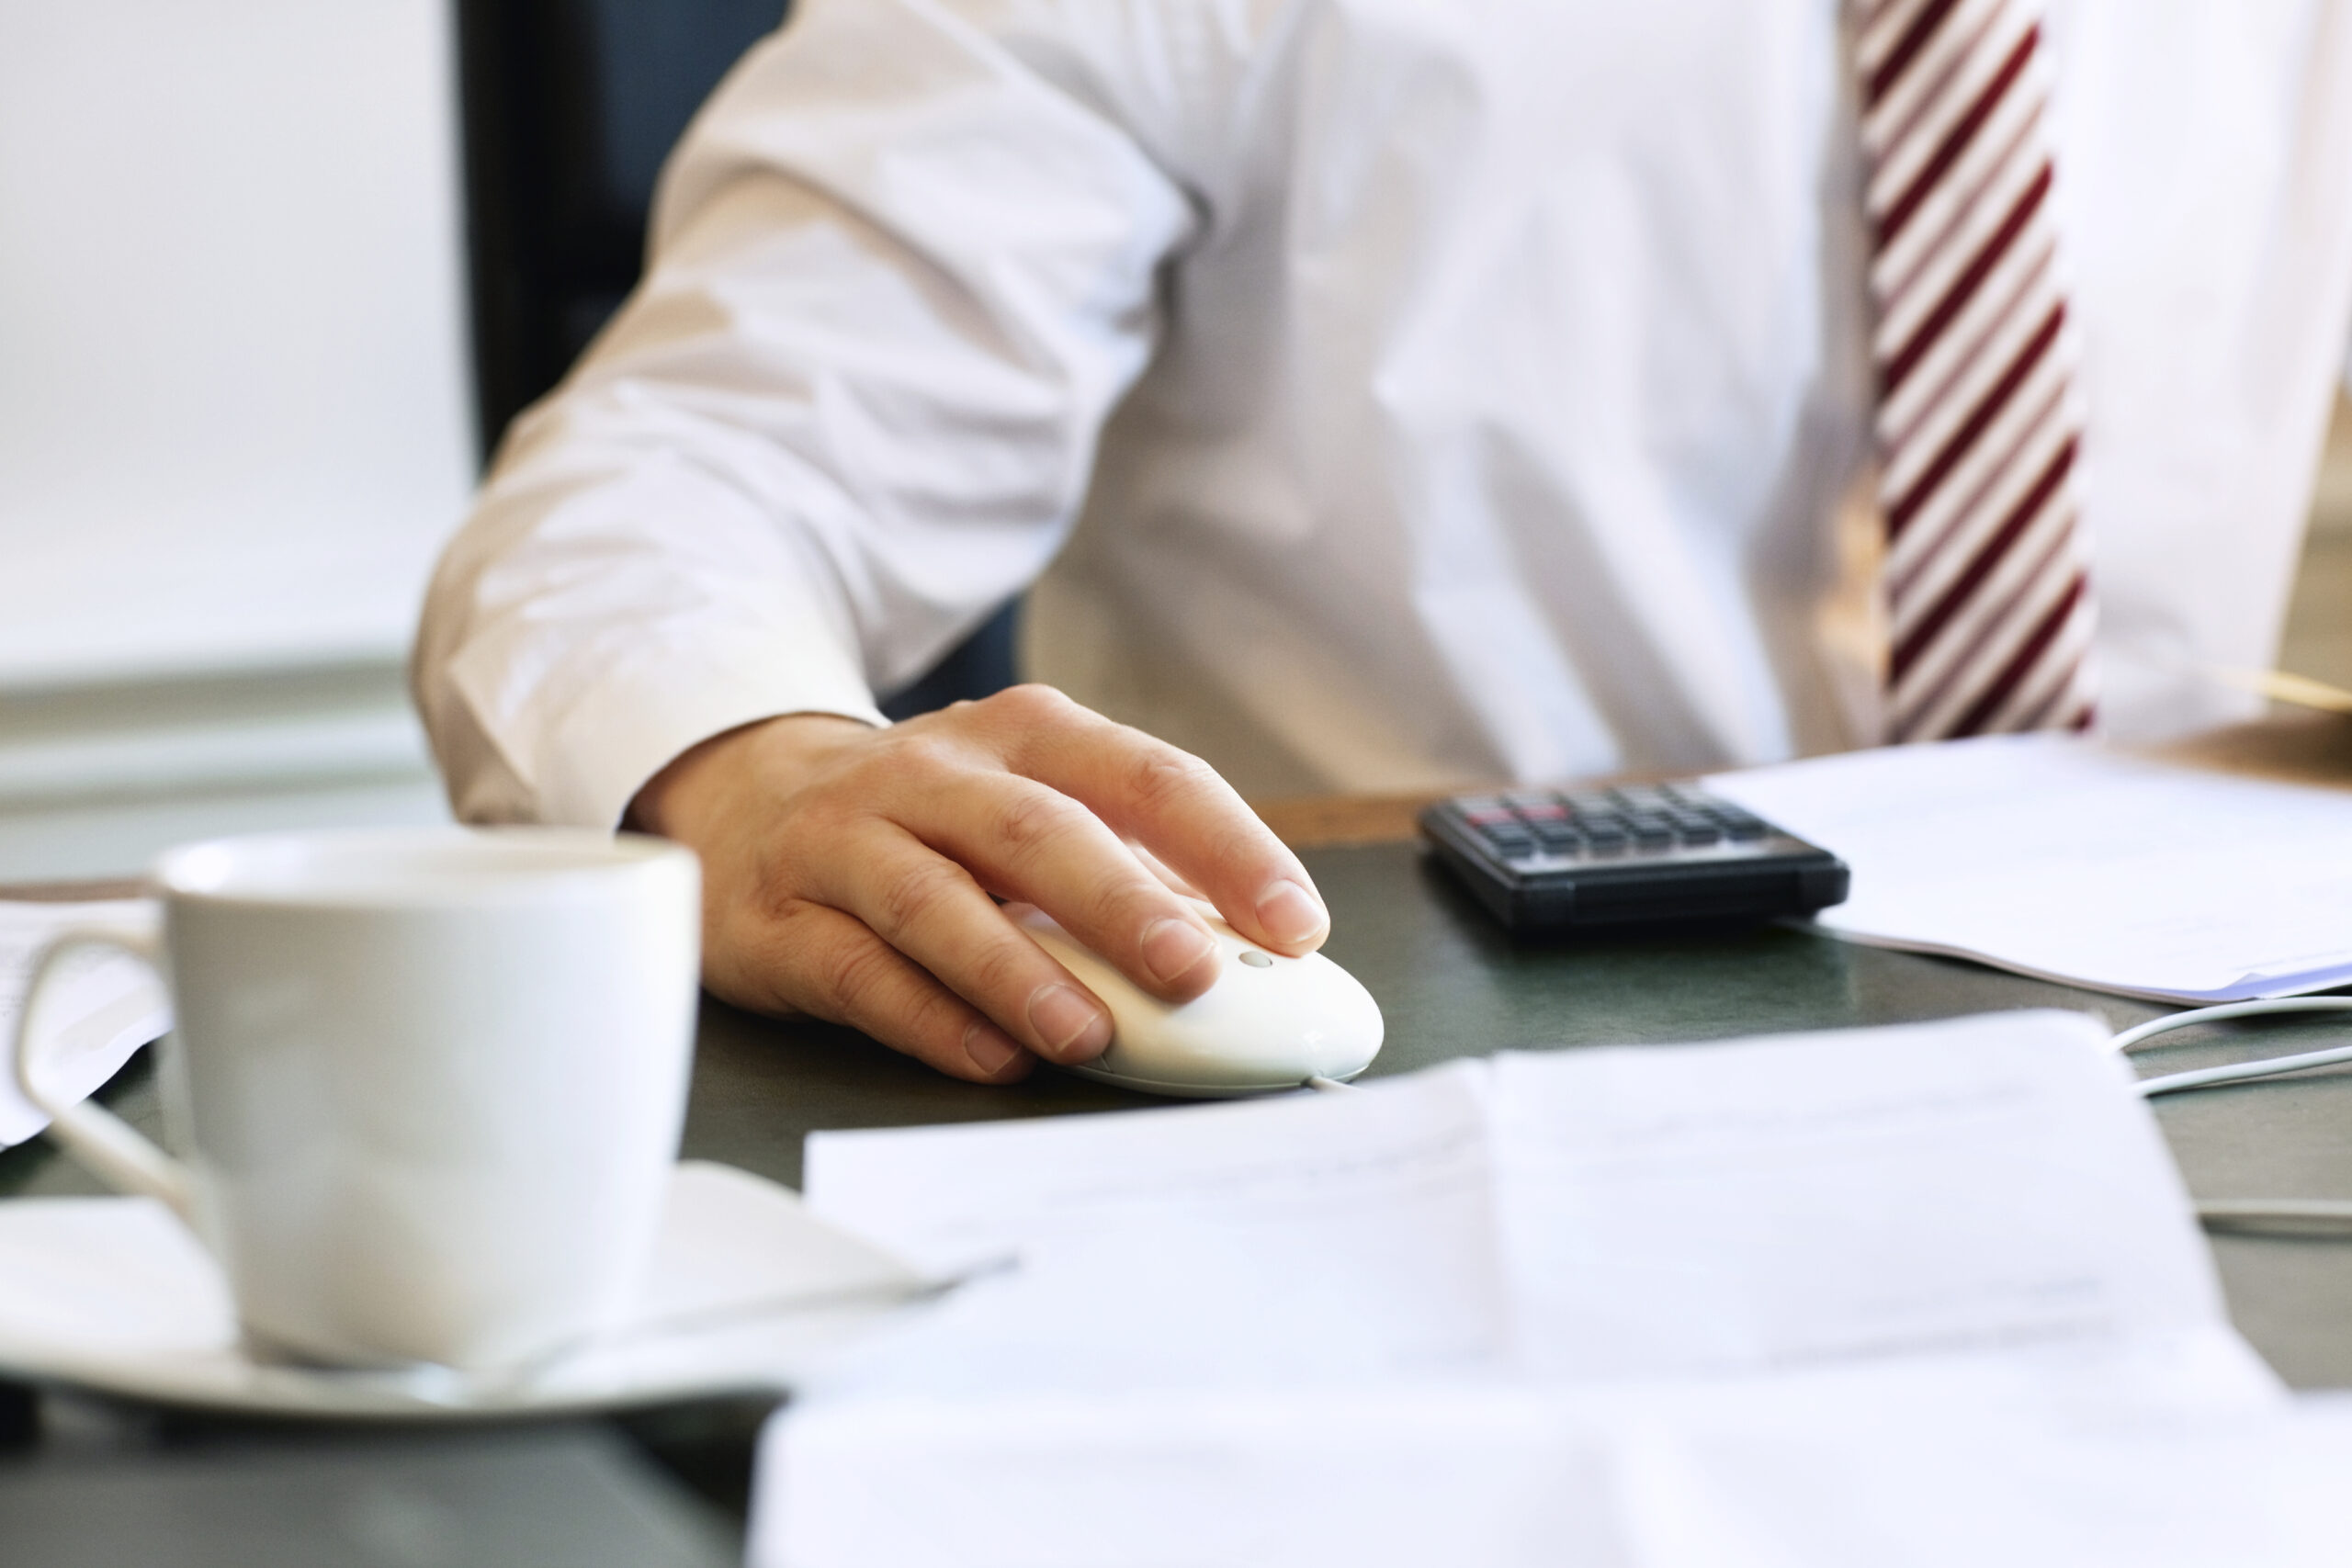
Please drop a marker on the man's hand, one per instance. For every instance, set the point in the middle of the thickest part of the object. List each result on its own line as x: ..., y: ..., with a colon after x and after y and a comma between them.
x: 848, y: 873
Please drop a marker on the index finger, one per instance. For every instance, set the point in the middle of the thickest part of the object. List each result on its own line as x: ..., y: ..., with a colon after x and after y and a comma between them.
x: 1183, y: 811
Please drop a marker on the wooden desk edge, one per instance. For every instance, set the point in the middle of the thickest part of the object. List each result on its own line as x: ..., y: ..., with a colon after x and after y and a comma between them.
x: 1339, y: 821
x: 76, y: 892
x: 2292, y: 745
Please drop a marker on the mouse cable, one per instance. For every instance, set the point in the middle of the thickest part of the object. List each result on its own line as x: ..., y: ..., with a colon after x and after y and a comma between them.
x: 2238, y: 1072
x: 2309, y: 1216
x: 1322, y: 1084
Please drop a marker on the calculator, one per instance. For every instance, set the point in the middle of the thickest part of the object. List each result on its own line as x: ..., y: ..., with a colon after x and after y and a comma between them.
x: 1635, y: 855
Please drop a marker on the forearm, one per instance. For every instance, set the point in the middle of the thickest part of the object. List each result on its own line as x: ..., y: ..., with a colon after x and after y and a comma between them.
x: 835, y: 427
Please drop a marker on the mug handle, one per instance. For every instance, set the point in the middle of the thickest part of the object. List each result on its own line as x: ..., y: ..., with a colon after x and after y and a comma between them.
x: 102, y: 1140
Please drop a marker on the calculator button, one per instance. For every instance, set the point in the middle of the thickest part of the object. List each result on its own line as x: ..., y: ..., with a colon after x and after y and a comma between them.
x: 1512, y: 842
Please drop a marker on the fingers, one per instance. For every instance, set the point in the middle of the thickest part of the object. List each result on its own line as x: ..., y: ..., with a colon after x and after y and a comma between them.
x: 1025, y: 841
x: 814, y: 959
x: 930, y: 909
x: 847, y: 872
x: 1162, y: 870
x: 1189, y: 817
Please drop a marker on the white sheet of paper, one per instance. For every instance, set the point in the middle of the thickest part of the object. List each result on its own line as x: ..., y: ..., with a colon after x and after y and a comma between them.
x: 1414, y: 1476
x: 1308, y: 1238
x: 107, y: 1004
x: 1862, y: 1483
x: 1784, y: 1201
x: 2057, y: 858
x: 1802, y: 1469
x: 1733, y: 1208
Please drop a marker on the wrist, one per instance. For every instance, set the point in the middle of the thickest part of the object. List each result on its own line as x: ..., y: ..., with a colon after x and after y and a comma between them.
x: 773, y: 753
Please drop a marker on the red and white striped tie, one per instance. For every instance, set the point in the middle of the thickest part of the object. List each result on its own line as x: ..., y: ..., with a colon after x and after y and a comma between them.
x: 1988, y: 598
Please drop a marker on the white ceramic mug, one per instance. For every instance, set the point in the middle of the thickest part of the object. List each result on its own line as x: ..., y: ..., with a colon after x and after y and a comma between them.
x: 429, y: 1082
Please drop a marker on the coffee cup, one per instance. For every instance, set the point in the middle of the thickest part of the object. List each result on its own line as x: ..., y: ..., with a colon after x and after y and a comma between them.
x: 426, y: 1084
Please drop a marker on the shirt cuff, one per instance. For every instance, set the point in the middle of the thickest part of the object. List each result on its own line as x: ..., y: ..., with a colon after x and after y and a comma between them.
x: 637, y: 717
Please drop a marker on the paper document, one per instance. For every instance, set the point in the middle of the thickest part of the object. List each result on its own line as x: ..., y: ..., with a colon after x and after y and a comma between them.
x: 106, y: 1005
x: 1258, y: 1243
x: 1982, y: 1184
x: 1931, y: 1293
x: 1771, y: 1476
x: 2057, y: 858
x: 1710, y: 1209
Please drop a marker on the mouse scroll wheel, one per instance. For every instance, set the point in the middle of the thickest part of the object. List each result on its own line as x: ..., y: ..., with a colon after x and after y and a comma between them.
x: 1255, y: 959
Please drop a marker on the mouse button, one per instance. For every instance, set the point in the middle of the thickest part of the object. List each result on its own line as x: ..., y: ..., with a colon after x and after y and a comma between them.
x: 1255, y: 959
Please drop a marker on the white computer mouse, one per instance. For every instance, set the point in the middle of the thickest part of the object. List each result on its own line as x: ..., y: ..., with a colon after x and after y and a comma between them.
x: 1269, y: 1023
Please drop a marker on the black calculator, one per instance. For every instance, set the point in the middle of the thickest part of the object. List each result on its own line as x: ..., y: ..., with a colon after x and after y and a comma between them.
x: 1572, y: 860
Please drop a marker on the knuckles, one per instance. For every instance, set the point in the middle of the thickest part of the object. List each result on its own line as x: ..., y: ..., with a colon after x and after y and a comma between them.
x: 1032, y: 819
x: 853, y: 974
x: 916, y: 752
x: 1123, y: 907
x: 907, y: 894
x: 1005, y: 971
x: 1030, y: 702
x: 1162, y: 776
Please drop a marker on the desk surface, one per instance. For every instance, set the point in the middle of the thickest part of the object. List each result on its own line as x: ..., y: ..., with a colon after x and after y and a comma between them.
x: 1450, y: 985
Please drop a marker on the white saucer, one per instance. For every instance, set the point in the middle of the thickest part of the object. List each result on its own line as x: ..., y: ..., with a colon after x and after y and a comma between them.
x: 747, y: 1293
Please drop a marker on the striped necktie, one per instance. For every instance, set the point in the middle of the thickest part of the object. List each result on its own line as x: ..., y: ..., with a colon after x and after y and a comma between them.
x: 1989, y: 600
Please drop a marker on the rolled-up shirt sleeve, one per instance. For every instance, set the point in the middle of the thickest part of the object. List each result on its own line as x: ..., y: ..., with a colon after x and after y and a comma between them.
x: 903, y: 265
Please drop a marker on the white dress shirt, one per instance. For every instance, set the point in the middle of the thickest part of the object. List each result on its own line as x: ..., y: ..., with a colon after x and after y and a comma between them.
x: 1392, y: 393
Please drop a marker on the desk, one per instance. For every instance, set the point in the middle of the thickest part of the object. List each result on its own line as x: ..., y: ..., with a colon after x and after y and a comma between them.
x: 1451, y: 984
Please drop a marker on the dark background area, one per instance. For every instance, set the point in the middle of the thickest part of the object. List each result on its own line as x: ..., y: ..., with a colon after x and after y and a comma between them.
x: 570, y: 107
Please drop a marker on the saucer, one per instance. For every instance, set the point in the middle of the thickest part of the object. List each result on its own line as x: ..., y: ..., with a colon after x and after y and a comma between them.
x: 746, y: 1294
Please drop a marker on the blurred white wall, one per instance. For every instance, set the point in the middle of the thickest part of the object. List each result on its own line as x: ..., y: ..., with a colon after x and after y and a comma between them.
x: 235, y: 415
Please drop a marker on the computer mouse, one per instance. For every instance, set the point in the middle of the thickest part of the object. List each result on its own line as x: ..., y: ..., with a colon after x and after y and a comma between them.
x: 1268, y: 1023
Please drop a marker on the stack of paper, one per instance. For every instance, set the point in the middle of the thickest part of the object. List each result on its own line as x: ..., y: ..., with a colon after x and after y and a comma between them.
x: 2058, y: 857
x: 104, y: 1005
x: 1618, y: 1306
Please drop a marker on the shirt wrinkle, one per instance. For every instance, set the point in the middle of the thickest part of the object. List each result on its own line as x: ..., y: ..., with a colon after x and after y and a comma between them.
x: 1400, y: 392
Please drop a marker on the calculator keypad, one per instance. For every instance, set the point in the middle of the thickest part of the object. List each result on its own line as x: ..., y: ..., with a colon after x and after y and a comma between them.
x: 1596, y: 824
